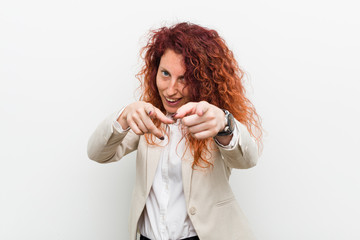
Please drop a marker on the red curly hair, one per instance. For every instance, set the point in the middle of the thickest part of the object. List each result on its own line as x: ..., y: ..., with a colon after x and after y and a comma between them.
x: 212, y: 75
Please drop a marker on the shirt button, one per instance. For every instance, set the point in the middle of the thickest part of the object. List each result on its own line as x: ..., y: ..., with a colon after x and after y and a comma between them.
x: 192, y: 211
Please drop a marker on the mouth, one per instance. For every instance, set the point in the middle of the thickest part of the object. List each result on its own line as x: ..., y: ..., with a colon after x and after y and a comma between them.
x: 172, y: 101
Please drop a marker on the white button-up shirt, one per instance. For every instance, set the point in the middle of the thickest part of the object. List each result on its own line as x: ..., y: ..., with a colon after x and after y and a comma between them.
x: 165, y: 216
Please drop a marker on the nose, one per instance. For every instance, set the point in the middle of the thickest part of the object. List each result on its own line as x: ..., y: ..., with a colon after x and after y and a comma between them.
x: 172, y: 88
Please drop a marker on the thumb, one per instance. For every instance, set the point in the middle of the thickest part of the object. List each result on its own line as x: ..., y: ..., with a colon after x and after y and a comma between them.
x: 161, y: 116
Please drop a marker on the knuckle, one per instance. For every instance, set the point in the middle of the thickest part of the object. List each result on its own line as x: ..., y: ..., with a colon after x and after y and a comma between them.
x: 211, y: 115
x: 184, y: 121
x: 197, y: 135
x: 138, y: 110
x: 129, y: 119
x: 136, y: 130
x: 203, y: 103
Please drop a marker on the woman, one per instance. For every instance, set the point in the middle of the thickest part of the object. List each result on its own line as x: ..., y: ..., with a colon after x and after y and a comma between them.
x: 192, y: 125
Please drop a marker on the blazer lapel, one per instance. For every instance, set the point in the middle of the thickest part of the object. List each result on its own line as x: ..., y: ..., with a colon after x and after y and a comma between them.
x: 152, y: 161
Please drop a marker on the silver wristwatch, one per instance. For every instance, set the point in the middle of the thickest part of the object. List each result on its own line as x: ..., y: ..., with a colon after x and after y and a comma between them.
x: 229, y: 126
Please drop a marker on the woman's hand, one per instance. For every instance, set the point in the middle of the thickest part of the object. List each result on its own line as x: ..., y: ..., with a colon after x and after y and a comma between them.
x: 203, y: 120
x: 138, y: 117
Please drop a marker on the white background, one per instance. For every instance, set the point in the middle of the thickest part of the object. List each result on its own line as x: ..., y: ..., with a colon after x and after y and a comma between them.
x: 65, y: 65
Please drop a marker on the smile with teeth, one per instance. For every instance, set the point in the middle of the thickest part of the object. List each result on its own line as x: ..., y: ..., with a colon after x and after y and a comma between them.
x: 172, y: 100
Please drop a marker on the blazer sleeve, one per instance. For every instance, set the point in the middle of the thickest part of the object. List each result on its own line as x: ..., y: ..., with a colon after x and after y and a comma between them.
x: 245, y: 152
x: 108, y: 145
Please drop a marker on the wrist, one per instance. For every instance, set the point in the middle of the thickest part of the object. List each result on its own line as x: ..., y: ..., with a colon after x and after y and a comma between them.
x: 224, y: 140
x: 123, y: 123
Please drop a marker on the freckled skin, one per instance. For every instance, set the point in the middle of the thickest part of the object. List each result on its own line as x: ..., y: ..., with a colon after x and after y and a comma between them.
x: 170, y: 81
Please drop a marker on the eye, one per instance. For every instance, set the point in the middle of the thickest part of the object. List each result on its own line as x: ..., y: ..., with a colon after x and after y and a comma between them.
x: 181, y: 79
x: 165, y: 73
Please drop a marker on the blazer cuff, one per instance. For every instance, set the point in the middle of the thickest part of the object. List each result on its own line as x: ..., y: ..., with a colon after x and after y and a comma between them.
x: 232, y: 143
x: 116, y: 125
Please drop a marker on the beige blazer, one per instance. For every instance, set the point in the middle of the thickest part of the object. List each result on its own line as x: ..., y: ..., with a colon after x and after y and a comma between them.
x: 211, y: 205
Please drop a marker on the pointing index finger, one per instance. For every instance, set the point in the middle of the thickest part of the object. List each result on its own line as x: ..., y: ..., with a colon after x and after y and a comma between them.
x: 186, y: 109
x: 159, y: 115
x: 201, y: 108
x: 153, y: 112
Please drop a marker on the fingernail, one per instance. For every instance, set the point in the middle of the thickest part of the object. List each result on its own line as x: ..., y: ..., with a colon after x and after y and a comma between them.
x: 149, y: 113
x: 161, y: 138
x: 173, y: 115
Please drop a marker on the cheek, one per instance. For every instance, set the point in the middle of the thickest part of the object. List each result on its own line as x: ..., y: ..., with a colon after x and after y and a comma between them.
x: 161, y: 86
x: 186, y: 92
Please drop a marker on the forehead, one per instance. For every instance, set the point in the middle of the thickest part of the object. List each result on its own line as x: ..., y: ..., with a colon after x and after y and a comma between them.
x: 172, y: 62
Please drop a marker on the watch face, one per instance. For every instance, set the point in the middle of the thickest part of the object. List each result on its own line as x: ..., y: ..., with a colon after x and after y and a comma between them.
x: 230, y: 124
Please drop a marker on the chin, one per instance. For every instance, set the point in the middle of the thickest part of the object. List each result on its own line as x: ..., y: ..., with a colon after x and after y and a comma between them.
x: 170, y: 110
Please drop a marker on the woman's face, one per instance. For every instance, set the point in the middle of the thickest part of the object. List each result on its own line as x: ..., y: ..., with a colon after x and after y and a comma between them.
x: 170, y: 81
